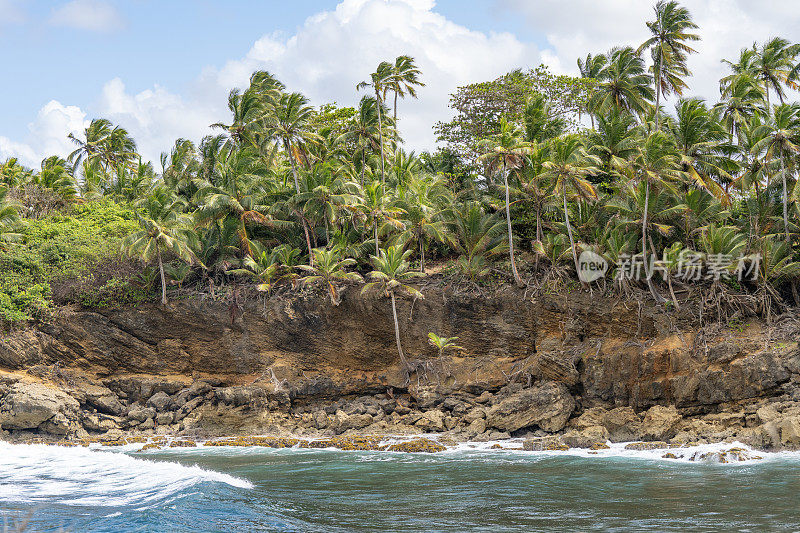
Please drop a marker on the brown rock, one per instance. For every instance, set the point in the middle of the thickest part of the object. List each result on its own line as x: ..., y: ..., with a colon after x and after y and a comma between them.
x: 660, y: 423
x: 548, y: 406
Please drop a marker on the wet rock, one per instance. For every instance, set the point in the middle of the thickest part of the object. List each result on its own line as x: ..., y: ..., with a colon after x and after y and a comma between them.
x: 104, y: 400
x: 548, y: 406
x: 660, y: 423
x: 652, y: 445
x: 28, y: 405
x: 544, y: 444
x: 590, y: 437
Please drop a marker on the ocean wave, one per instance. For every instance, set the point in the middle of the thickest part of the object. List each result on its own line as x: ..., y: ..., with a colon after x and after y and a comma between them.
x: 79, y: 476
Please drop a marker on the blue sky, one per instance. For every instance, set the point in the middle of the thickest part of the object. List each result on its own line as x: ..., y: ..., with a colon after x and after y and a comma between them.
x: 162, y: 68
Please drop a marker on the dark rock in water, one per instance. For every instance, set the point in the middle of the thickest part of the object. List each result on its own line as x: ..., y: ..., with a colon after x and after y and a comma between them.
x: 544, y: 444
x: 548, y: 406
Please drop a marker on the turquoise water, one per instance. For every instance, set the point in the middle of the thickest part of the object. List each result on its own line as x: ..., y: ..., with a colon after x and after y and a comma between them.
x: 256, y: 489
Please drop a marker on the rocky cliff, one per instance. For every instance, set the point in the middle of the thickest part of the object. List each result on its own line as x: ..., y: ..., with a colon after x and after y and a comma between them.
x: 587, y: 368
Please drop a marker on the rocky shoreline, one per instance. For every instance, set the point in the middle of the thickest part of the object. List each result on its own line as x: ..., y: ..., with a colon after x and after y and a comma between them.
x: 580, y: 373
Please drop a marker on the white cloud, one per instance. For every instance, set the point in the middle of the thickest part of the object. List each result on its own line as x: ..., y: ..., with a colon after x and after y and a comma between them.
x: 47, y: 134
x: 90, y: 15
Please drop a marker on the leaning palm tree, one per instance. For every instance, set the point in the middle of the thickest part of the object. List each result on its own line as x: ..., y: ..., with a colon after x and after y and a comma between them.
x: 329, y: 269
x: 780, y: 138
x: 164, y: 228
x: 380, y: 80
x: 670, y: 33
x: 391, y: 269
x: 568, y: 168
x: 505, y: 151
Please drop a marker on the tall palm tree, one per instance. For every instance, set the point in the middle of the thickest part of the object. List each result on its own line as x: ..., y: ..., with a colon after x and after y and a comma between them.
x: 568, y: 168
x: 391, y: 270
x: 780, y: 137
x: 379, y: 80
x: 164, y: 228
x: 504, y: 152
x: 773, y: 64
x: 742, y: 98
x: 248, y: 109
x: 670, y: 32
x: 377, y: 207
x: 404, y: 80
x: 592, y: 68
x: 363, y: 129
x: 104, y: 143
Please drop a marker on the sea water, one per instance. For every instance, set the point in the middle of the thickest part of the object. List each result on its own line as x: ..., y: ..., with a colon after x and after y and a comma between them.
x: 468, y: 488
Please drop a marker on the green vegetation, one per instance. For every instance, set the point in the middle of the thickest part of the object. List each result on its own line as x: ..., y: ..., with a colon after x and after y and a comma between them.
x: 534, y: 170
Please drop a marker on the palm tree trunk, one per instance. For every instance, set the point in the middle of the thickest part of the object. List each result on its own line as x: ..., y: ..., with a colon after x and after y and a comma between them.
x: 785, y: 201
x: 517, y: 279
x: 650, y: 285
x: 569, y: 232
x: 422, y: 254
x: 397, y: 333
x: 375, y: 230
x: 658, y: 98
x: 163, y: 279
x: 538, y: 233
x: 396, y: 135
x: 380, y: 135
x: 297, y: 190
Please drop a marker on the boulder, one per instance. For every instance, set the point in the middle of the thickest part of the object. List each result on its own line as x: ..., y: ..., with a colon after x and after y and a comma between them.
x: 140, y: 414
x: 431, y: 421
x: 28, y: 405
x: 159, y: 401
x: 548, y: 406
x: 593, y: 436
x: 789, y: 432
x: 660, y: 423
x: 623, y: 424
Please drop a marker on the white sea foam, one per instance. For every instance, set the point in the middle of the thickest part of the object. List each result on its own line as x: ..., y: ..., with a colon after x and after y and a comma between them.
x: 79, y: 476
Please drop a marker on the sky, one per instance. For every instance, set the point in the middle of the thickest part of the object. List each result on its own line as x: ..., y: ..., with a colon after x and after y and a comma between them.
x: 163, y: 69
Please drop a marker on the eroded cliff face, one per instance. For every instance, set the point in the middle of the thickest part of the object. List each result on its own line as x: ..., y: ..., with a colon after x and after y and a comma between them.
x: 301, y: 364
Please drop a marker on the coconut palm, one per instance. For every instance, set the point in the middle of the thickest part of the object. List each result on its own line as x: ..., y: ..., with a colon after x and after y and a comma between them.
x: 504, y: 152
x: 423, y: 202
x: 443, y: 343
x: 377, y: 208
x: 104, y: 143
x: 329, y: 269
x: 624, y: 84
x: 164, y: 228
x: 742, y: 99
x: 363, y: 129
x: 477, y: 235
x: 380, y: 80
x: 248, y: 110
x: 668, y: 46
x: 568, y: 168
x: 404, y: 80
x: 391, y: 270
x: 779, y: 139
x: 9, y: 218
x: 592, y: 68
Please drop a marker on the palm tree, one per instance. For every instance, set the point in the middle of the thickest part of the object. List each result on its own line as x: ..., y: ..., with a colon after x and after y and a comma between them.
x: 237, y: 196
x: 568, y: 168
x: 364, y: 129
x: 443, y: 343
x: 56, y: 175
x: 404, y: 80
x: 504, y: 151
x: 592, y: 68
x: 377, y: 207
x: 291, y: 124
x: 9, y: 219
x: 380, y: 80
x: 667, y: 44
x: 423, y: 203
x: 655, y: 164
x: 477, y: 235
x: 391, y: 269
x: 773, y: 63
x: 104, y: 143
x: 624, y: 84
x: 704, y: 151
x: 779, y: 138
x: 742, y: 99
x: 13, y: 174
x: 248, y: 109
x: 329, y: 269
x: 164, y: 228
